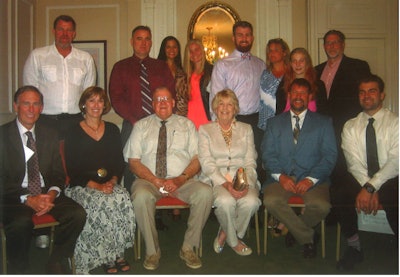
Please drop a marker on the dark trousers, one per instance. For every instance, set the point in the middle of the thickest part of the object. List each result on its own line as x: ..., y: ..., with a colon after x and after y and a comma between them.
x: 129, y: 177
x: 343, y: 198
x: 252, y: 119
x: 18, y: 228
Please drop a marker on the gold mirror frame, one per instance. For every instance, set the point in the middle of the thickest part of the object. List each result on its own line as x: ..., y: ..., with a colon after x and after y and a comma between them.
x: 216, y: 18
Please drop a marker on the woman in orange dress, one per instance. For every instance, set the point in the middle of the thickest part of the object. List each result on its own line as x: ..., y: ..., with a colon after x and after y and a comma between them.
x: 196, y: 99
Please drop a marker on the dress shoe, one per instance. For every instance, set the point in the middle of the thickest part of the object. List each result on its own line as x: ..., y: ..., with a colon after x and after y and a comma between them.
x: 350, y: 258
x: 245, y: 251
x: 289, y: 240
x: 191, y: 259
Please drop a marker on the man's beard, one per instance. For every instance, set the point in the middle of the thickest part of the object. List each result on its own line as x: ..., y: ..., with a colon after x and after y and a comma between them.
x: 244, y: 49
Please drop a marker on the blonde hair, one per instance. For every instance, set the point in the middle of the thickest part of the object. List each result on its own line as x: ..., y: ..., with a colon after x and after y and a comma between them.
x: 188, y: 65
x: 225, y: 93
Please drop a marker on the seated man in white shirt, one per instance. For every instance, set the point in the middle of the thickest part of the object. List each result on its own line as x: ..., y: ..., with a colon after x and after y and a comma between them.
x: 177, y: 176
x: 374, y: 177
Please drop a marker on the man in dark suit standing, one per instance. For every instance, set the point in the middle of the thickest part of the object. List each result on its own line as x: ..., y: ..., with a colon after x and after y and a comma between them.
x: 299, y: 150
x: 36, y: 188
x: 341, y: 75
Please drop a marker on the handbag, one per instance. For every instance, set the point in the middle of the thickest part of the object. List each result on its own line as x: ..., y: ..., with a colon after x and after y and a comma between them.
x: 240, y: 180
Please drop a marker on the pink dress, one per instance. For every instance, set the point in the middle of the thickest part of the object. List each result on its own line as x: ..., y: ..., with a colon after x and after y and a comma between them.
x: 196, y: 112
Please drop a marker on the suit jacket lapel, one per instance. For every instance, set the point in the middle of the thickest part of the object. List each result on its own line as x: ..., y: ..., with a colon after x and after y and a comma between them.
x: 16, y: 142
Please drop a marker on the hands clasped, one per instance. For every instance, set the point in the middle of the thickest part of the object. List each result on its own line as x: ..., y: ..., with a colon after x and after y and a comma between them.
x: 289, y: 184
x: 41, y: 203
x: 235, y: 193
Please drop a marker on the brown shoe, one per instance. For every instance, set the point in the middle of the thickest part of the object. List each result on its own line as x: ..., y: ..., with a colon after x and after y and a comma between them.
x: 190, y: 258
x: 153, y: 261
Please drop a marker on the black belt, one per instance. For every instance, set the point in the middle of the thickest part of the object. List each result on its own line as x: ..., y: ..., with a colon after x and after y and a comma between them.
x: 62, y: 116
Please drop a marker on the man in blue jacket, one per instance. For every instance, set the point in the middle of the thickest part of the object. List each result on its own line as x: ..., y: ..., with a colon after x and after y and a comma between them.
x: 299, y: 152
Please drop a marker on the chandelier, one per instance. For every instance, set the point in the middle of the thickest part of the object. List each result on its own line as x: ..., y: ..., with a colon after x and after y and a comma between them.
x: 211, y: 49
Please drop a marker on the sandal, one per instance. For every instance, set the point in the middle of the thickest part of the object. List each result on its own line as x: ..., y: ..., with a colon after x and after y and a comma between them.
x: 110, y: 268
x: 122, y: 265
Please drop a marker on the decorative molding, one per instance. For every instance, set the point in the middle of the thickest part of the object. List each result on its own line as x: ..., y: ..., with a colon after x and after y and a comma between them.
x: 160, y: 16
x: 274, y: 19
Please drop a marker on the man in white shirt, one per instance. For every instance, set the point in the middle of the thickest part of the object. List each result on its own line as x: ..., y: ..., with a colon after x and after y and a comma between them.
x: 61, y: 72
x: 241, y: 73
x: 176, y: 176
x: 368, y: 186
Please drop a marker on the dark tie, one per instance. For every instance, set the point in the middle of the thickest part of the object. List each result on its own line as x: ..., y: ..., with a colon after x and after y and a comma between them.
x: 33, y: 167
x: 372, y: 151
x: 246, y: 56
x: 161, y: 163
x: 296, y: 129
x: 145, y: 90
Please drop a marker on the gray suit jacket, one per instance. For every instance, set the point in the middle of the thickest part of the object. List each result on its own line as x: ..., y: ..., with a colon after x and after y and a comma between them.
x: 12, y: 161
x: 314, y: 154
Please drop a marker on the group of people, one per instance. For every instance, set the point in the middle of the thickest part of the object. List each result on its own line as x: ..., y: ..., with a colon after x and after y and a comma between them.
x: 188, y: 131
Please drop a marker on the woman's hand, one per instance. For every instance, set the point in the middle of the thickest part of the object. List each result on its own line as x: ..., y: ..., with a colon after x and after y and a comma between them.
x: 236, y: 194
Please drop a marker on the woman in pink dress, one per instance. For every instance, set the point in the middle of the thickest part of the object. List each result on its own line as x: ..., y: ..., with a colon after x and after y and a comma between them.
x: 198, y: 72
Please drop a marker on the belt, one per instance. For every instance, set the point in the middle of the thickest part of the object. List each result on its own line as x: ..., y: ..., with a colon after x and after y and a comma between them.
x: 62, y: 116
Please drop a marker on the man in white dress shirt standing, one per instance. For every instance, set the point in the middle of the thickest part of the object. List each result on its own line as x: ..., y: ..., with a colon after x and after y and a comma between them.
x: 61, y: 72
x: 374, y: 178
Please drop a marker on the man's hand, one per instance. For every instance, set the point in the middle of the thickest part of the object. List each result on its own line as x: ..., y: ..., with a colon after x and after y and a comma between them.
x: 41, y: 203
x: 287, y: 183
x: 303, y: 186
x: 367, y: 202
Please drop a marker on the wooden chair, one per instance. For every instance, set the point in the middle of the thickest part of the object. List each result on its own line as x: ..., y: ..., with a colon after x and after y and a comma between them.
x: 163, y: 204
x: 43, y: 221
x: 294, y: 201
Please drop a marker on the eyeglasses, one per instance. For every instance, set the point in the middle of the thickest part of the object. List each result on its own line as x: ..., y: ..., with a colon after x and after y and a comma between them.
x: 160, y: 99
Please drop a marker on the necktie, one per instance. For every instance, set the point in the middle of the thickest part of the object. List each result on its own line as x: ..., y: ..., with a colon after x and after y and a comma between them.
x: 296, y: 129
x: 372, y: 151
x: 246, y: 56
x: 145, y: 90
x: 33, y: 167
x: 161, y: 163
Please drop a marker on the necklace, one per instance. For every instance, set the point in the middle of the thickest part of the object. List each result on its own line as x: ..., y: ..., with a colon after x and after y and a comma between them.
x: 227, y: 134
x: 93, y: 129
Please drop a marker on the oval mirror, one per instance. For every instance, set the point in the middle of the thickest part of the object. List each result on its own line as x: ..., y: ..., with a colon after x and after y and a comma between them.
x: 212, y: 24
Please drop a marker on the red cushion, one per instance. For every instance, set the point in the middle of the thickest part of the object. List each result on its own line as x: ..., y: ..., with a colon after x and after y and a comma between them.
x: 43, y: 219
x: 170, y: 201
x: 295, y: 200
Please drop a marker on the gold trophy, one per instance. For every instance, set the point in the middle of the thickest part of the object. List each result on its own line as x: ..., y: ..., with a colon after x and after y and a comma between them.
x: 240, y: 181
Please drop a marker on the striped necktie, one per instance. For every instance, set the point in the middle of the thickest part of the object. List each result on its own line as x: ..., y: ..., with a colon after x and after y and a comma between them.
x: 296, y: 129
x: 145, y: 90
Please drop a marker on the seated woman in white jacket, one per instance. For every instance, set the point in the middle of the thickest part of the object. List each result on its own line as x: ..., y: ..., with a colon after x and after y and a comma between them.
x: 224, y: 146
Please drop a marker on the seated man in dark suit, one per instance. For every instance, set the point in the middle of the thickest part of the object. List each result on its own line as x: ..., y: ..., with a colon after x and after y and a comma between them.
x: 299, y: 150
x: 32, y: 179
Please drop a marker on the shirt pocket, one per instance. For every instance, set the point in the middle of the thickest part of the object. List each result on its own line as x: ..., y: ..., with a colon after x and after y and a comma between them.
x: 77, y: 76
x: 49, y: 73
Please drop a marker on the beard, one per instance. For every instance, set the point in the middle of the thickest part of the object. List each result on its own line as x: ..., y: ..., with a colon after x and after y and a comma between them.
x: 243, y: 48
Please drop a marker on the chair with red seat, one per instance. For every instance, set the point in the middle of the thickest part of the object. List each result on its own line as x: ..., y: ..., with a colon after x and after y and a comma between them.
x: 294, y: 202
x: 163, y: 204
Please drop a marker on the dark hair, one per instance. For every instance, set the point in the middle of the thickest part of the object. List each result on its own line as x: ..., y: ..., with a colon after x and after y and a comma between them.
x: 335, y: 32
x: 89, y: 92
x: 243, y: 24
x: 23, y: 89
x: 301, y: 82
x: 65, y: 18
x: 162, y: 56
x: 373, y: 78
x: 141, y: 27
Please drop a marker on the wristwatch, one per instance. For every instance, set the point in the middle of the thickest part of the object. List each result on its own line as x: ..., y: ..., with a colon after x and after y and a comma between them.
x: 370, y: 188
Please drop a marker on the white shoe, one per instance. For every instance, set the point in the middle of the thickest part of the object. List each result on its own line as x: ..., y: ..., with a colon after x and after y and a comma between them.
x: 42, y: 241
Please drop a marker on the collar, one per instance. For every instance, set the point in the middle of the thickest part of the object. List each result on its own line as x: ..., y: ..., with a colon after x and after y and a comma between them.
x: 302, y: 115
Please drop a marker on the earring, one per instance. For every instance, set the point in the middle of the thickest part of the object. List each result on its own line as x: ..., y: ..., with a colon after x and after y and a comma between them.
x: 83, y: 107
